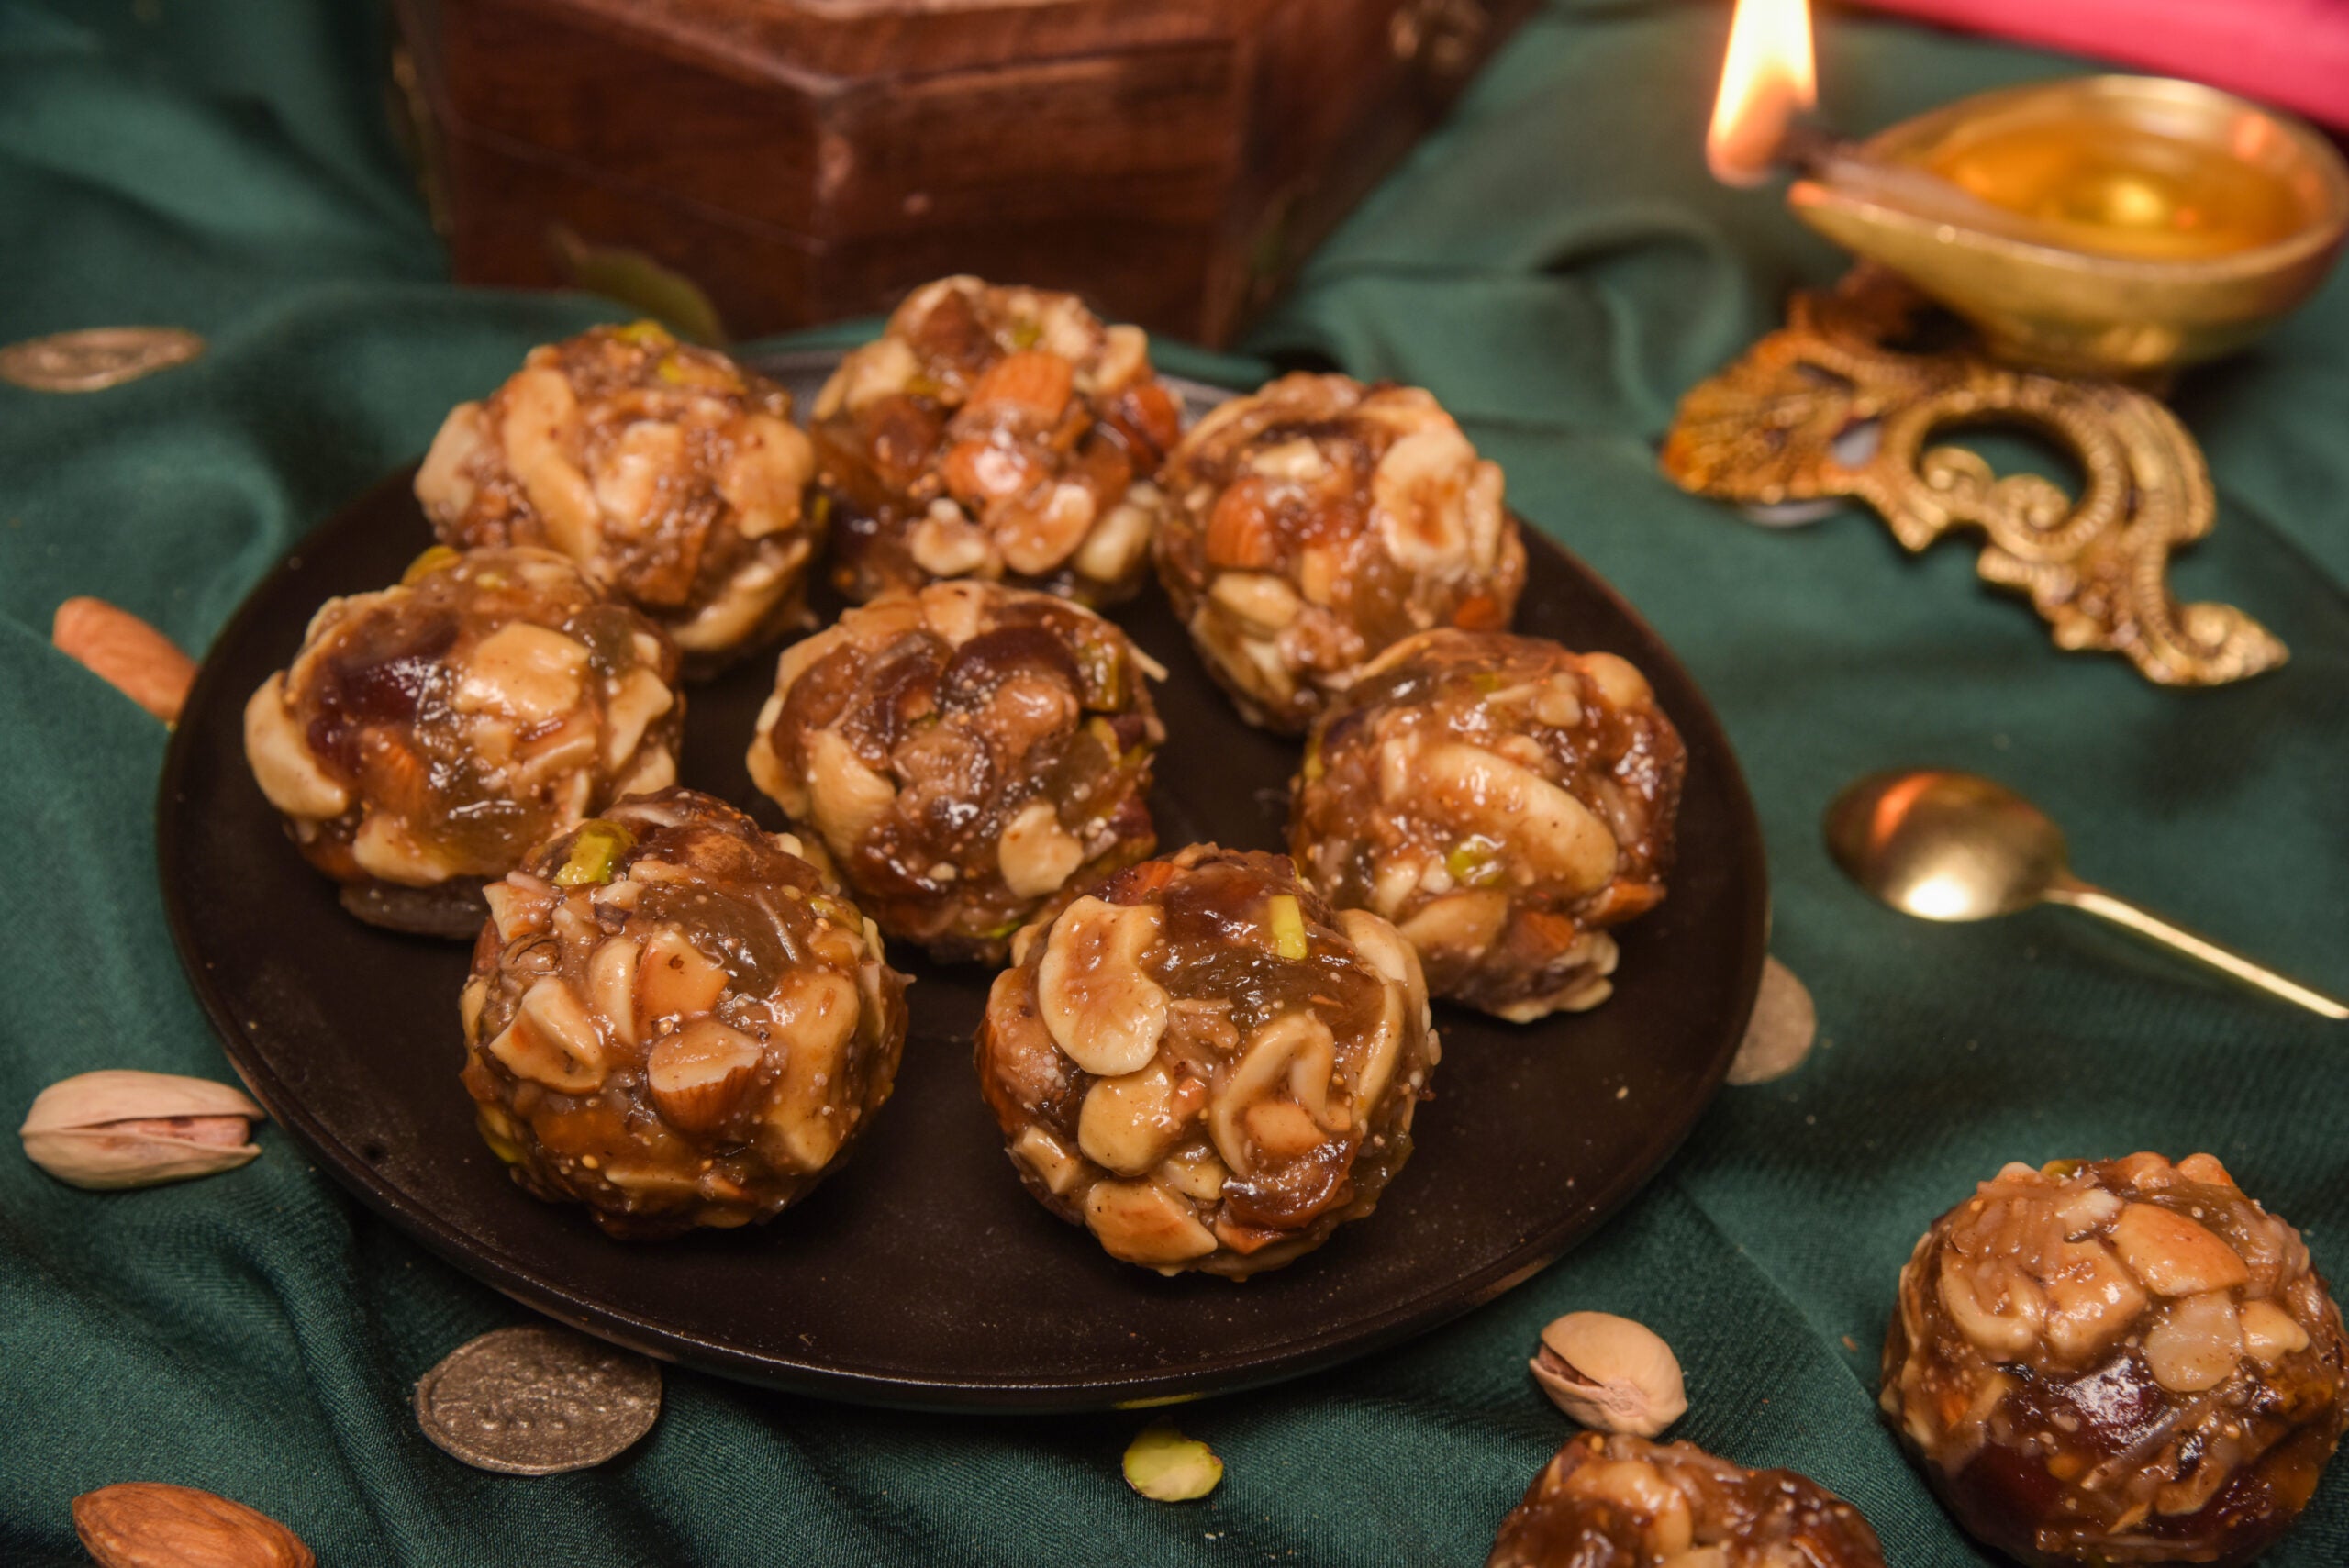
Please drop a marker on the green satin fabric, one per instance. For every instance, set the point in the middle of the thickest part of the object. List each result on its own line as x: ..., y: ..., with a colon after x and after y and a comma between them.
x: 1554, y: 263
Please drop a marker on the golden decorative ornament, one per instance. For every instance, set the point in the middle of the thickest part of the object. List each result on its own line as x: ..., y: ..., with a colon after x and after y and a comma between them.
x: 95, y: 358
x: 121, y: 1128
x: 145, y: 1524
x: 1767, y: 431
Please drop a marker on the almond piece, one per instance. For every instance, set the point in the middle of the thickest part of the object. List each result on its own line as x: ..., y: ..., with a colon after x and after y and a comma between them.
x: 699, y: 1074
x: 126, y: 653
x: 2173, y: 1255
x: 145, y: 1524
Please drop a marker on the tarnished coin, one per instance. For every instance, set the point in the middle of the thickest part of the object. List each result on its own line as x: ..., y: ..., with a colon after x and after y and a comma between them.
x: 1779, y: 1034
x: 537, y: 1401
x: 97, y: 358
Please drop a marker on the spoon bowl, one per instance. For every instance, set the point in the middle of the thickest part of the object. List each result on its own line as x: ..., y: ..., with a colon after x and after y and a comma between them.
x: 1945, y: 846
x: 1950, y: 845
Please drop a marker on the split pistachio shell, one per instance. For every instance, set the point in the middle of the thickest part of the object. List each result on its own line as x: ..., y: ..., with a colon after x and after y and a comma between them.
x: 1164, y: 1465
x: 121, y: 1128
x: 1610, y: 1374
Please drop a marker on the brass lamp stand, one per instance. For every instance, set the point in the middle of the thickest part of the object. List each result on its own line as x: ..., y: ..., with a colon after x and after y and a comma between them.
x: 1767, y: 431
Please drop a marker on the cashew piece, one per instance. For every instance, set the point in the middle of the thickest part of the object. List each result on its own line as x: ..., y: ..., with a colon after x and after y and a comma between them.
x: 643, y: 697
x: 441, y: 485
x: 1263, y: 603
x: 2090, y: 1298
x: 1142, y: 1222
x: 527, y: 672
x: 1406, y: 990
x: 552, y: 1040
x: 1463, y: 923
x: 1557, y: 835
x: 2197, y: 1344
x: 282, y: 761
x: 1419, y: 494
x: 2006, y: 1326
x: 1036, y: 854
x: 2173, y: 1255
x: 1130, y: 1122
x: 1118, y: 540
x: 1298, y: 1044
x: 2270, y: 1333
x: 1102, y: 1010
x: 674, y: 979
x: 846, y: 797
x: 541, y: 429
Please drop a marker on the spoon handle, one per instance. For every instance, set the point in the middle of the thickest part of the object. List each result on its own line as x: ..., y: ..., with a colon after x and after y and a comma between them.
x: 2177, y: 939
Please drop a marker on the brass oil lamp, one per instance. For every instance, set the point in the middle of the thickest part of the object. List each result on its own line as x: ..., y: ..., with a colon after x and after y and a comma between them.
x: 2094, y: 235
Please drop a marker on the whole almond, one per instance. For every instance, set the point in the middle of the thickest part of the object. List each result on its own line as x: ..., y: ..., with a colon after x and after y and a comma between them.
x: 145, y: 1524
x: 126, y: 653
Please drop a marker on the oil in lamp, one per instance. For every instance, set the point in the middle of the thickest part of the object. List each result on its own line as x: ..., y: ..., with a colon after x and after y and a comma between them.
x: 2093, y: 235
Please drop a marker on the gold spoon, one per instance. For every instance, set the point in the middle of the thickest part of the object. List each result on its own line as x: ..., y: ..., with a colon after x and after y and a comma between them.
x: 1950, y: 845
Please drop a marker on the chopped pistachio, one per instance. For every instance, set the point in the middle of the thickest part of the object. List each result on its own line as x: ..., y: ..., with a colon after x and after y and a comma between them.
x: 1313, y: 760
x: 681, y: 370
x: 594, y: 854
x: 425, y: 565
x: 645, y: 334
x: 1027, y: 335
x: 496, y: 1134
x: 1167, y: 1467
x: 1289, y: 926
x: 1474, y: 863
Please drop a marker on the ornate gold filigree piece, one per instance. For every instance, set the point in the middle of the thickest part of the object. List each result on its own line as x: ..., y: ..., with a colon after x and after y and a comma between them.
x: 1767, y: 431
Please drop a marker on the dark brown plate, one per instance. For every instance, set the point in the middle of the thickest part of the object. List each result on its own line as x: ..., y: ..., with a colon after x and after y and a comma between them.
x: 923, y: 1275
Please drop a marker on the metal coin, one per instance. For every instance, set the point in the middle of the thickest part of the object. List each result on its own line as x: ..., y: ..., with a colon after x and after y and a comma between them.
x: 537, y: 1401
x: 97, y: 358
x: 1780, y: 1033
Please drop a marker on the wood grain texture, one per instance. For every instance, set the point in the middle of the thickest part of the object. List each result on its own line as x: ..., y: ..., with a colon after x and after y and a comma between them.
x: 801, y: 160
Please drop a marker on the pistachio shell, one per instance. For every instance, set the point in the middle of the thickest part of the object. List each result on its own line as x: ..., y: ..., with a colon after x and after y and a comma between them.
x: 122, y: 1128
x: 1610, y: 1374
x: 88, y: 1099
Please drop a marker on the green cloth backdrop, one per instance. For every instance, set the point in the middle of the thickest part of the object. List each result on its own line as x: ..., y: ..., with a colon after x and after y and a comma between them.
x: 1554, y: 263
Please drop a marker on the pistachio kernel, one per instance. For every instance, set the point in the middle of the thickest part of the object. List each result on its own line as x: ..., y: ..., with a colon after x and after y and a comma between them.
x: 594, y: 854
x: 437, y: 558
x: 1610, y: 1374
x: 1167, y: 1467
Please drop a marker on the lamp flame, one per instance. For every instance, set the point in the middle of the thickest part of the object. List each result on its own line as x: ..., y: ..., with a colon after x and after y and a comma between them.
x: 1768, y: 78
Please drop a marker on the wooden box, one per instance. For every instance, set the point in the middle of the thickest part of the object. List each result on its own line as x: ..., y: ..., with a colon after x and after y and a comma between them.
x: 799, y: 161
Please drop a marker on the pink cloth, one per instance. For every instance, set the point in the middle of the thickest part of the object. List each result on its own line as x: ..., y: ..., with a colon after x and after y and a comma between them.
x: 2292, y: 53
